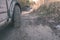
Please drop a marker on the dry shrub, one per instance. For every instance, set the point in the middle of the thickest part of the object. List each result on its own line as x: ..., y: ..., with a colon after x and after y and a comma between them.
x: 36, y: 4
x: 50, y: 11
x: 24, y: 3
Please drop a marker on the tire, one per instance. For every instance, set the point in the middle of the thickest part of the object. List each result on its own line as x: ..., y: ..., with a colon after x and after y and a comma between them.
x: 16, y: 14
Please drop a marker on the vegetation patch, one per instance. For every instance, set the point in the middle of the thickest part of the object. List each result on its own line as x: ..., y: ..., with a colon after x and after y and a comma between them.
x: 50, y: 11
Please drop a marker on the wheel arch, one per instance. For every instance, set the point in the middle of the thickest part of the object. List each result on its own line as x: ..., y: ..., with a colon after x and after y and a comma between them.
x: 12, y: 5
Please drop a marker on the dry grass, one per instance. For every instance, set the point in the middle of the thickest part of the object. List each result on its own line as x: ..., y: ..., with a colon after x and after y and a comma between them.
x: 50, y: 11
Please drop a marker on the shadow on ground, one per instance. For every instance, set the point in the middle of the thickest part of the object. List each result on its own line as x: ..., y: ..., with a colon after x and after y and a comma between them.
x: 5, y: 32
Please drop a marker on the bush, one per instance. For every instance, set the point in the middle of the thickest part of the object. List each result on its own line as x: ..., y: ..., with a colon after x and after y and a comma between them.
x: 24, y: 3
x: 50, y: 11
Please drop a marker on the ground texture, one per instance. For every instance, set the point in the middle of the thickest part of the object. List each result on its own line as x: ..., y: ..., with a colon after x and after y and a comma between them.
x: 32, y: 28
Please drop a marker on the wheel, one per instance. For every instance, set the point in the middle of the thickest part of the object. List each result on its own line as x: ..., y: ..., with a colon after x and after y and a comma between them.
x: 16, y: 19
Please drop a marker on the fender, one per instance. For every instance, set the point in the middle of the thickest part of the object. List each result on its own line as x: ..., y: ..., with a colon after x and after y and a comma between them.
x: 13, y: 3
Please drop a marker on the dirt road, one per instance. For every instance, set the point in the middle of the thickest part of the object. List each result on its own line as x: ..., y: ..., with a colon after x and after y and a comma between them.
x: 30, y: 29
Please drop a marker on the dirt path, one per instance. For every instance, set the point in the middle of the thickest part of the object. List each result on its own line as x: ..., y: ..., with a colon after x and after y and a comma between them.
x: 31, y: 29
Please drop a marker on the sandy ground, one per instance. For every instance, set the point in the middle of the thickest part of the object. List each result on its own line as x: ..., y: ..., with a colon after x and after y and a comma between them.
x: 34, y: 30
x: 31, y: 29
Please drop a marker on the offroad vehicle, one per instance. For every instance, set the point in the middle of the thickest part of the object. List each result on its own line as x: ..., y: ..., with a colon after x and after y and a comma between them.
x: 9, y: 12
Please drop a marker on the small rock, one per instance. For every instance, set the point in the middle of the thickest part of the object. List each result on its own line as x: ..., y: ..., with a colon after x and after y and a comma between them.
x: 58, y: 27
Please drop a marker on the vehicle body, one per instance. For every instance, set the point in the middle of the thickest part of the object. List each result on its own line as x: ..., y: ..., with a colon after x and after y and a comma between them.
x: 6, y: 11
